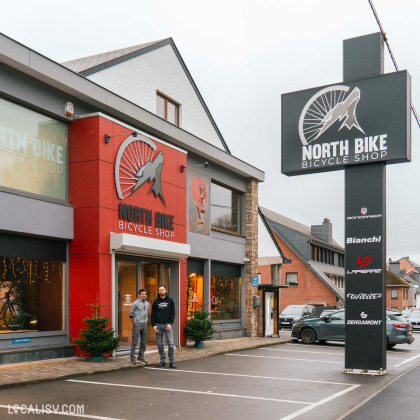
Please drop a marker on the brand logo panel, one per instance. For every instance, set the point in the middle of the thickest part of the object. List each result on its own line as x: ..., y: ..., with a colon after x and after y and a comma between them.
x: 359, y: 122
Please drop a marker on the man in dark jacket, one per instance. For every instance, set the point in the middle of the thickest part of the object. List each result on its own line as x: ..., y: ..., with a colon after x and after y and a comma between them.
x: 163, y: 317
x: 139, y: 314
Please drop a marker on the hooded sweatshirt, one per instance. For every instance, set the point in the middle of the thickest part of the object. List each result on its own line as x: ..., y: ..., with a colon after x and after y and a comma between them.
x: 163, y: 311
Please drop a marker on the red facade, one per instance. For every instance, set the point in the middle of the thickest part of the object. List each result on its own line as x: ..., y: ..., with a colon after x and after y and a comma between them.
x: 97, y: 212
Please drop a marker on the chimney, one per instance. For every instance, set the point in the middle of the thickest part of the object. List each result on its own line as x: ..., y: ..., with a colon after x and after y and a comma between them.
x: 323, y: 231
x: 394, y: 267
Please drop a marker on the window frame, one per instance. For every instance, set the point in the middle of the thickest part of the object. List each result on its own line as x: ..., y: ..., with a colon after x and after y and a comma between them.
x: 297, y: 279
x: 240, y: 195
x: 167, y: 100
x: 392, y: 293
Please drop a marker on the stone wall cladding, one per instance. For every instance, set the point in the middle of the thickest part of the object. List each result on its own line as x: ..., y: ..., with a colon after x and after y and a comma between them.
x: 251, y: 314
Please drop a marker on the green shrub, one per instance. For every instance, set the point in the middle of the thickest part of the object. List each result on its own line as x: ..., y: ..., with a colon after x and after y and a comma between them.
x: 199, y: 327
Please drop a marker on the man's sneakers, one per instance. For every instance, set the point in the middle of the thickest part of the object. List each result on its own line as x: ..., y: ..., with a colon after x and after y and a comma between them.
x: 161, y: 364
x: 172, y: 365
x: 133, y: 362
x: 142, y: 361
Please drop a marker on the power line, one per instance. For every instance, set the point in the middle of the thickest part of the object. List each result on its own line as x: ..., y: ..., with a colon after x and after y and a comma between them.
x: 413, y: 110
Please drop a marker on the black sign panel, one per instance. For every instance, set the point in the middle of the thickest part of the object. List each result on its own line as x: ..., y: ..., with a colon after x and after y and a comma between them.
x: 330, y: 127
x: 365, y: 267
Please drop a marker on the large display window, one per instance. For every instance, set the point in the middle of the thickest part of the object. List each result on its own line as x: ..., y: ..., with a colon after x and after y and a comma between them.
x: 195, y: 287
x: 33, y: 152
x: 225, y: 298
x: 31, y: 295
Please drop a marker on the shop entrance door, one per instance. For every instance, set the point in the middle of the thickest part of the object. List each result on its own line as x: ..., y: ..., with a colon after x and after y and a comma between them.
x: 269, y: 313
x: 133, y: 276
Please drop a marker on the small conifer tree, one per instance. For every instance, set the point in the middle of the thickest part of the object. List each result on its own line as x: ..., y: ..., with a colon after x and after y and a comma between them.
x: 97, y: 338
x: 199, y: 327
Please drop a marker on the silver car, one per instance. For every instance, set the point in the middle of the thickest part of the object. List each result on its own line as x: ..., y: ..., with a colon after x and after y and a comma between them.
x: 414, y: 318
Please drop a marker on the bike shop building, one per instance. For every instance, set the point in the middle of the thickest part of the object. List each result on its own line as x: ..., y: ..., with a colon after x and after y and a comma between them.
x: 113, y: 177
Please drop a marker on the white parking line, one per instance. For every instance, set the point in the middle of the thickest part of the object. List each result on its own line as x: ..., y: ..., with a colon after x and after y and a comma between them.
x: 406, y: 361
x: 249, y: 376
x: 304, y: 351
x: 317, y: 404
x: 190, y: 392
x: 321, y: 352
x: 320, y: 346
x: 17, y: 407
x: 283, y: 358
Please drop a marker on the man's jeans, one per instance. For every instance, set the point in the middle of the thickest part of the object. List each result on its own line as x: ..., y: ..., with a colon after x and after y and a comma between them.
x: 138, y: 330
x: 169, y: 340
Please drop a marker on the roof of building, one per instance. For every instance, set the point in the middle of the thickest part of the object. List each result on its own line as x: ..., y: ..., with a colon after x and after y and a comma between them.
x: 321, y: 270
x: 393, y: 280
x: 296, y: 226
x: 414, y: 264
x: 95, y: 63
x: 80, y: 65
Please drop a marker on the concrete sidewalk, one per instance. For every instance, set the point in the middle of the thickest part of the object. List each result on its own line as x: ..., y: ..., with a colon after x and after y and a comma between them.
x: 51, y: 370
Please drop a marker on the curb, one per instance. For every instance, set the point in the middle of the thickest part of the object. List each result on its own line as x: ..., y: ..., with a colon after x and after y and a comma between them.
x: 128, y: 366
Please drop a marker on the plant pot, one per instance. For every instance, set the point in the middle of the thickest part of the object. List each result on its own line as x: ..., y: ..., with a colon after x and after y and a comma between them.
x: 199, y: 345
x: 96, y: 358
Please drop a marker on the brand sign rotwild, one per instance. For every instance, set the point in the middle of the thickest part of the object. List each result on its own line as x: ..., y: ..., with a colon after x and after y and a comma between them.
x: 327, y: 128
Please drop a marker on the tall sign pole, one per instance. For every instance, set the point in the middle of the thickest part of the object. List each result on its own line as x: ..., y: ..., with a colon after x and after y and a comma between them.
x: 365, y: 227
x: 359, y: 125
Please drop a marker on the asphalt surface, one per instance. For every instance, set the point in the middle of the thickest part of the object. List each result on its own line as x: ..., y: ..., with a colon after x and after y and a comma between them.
x: 284, y: 382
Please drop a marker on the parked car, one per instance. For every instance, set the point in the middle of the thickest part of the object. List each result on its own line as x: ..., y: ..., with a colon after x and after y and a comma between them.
x: 293, y: 313
x: 414, y: 318
x: 407, y: 312
x: 327, y: 312
x: 332, y: 328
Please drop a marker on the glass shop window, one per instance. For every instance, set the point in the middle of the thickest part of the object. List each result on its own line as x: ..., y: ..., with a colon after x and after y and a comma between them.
x: 33, y: 152
x: 225, y: 298
x: 194, y: 293
x: 226, y: 209
x: 31, y: 295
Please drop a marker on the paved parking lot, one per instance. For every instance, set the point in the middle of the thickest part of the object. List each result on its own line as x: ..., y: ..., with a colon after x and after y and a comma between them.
x: 285, y: 381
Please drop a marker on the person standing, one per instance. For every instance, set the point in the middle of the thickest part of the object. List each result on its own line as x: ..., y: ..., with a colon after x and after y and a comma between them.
x: 163, y: 317
x: 139, y: 314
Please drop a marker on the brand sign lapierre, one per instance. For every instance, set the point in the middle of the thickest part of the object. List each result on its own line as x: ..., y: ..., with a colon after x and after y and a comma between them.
x: 327, y: 128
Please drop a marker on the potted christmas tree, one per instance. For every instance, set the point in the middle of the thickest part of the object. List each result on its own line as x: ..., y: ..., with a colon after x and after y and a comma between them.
x: 97, y: 338
x: 199, y: 328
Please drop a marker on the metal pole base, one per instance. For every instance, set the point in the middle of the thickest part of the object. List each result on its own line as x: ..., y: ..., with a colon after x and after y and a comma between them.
x: 365, y: 372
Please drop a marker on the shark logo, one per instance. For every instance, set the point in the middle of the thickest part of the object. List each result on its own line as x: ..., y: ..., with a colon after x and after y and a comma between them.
x: 325, y: 108
x: 135, y: 164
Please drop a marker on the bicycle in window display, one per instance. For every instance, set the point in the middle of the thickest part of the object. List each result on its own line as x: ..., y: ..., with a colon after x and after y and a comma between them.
x: 11, y: 313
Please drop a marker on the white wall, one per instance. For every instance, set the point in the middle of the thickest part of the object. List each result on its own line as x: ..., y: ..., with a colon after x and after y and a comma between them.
x: 138, y: 80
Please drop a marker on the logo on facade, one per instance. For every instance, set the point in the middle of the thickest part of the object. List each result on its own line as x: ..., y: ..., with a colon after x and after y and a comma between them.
x: 366, y: 240
x: 325, y: 108
x: 363, y: 261
x: 363, y: 210
x: 364, y: 215
x: 136, y: 163
x: 363, y: 296
x: 363, y: 315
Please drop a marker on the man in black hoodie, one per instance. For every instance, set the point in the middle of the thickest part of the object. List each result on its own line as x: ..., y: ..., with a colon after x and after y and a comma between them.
x: 162, y: 319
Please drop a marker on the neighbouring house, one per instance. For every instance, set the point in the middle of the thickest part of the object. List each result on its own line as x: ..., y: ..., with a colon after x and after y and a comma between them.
x: 315, y: 270
x: 398, y: 296
x: 408, y: 272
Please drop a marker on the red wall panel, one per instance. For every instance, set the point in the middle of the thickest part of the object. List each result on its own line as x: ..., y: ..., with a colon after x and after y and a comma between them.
x: 93, y: 194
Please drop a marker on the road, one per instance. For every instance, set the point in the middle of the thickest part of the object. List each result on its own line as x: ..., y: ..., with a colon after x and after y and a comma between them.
x: 284, y: 382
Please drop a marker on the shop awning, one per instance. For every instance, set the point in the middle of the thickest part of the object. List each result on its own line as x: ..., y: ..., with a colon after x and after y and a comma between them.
x: 143, y: 245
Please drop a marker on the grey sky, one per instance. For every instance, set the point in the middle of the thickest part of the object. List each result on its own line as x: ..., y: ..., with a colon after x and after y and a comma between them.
x: 243, y: 55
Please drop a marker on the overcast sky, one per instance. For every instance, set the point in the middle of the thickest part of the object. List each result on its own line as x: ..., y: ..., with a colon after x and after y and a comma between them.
x: 243, y: 54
